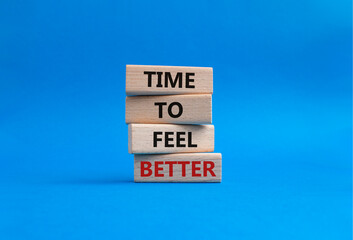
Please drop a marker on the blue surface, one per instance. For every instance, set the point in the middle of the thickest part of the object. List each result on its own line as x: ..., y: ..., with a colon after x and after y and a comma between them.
x: 282, y: 112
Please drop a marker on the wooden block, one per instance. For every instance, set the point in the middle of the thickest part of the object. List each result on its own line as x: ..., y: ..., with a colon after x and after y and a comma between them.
x: 164, y: 80
x: 181, y: 109
x: 170, y: 138
x: 182, y: 167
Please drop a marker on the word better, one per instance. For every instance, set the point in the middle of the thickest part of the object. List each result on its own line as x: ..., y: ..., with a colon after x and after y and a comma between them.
x: 168, y: 167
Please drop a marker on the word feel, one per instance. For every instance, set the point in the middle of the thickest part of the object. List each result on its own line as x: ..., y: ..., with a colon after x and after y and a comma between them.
x: 180, y: 140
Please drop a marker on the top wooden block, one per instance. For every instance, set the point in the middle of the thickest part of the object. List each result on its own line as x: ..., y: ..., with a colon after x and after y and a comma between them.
x: 165, y: 80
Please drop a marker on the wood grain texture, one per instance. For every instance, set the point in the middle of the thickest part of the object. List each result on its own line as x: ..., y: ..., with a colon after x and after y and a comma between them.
x: 137, y: 80
x: 170, y: 138
x: 181, y: 109
x: 198, y: 167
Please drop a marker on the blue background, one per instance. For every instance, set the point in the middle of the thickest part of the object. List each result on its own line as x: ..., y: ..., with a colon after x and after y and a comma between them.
x: 281, y: 105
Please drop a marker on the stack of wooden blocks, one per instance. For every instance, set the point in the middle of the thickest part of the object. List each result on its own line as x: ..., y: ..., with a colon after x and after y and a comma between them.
x: 169, y: 112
